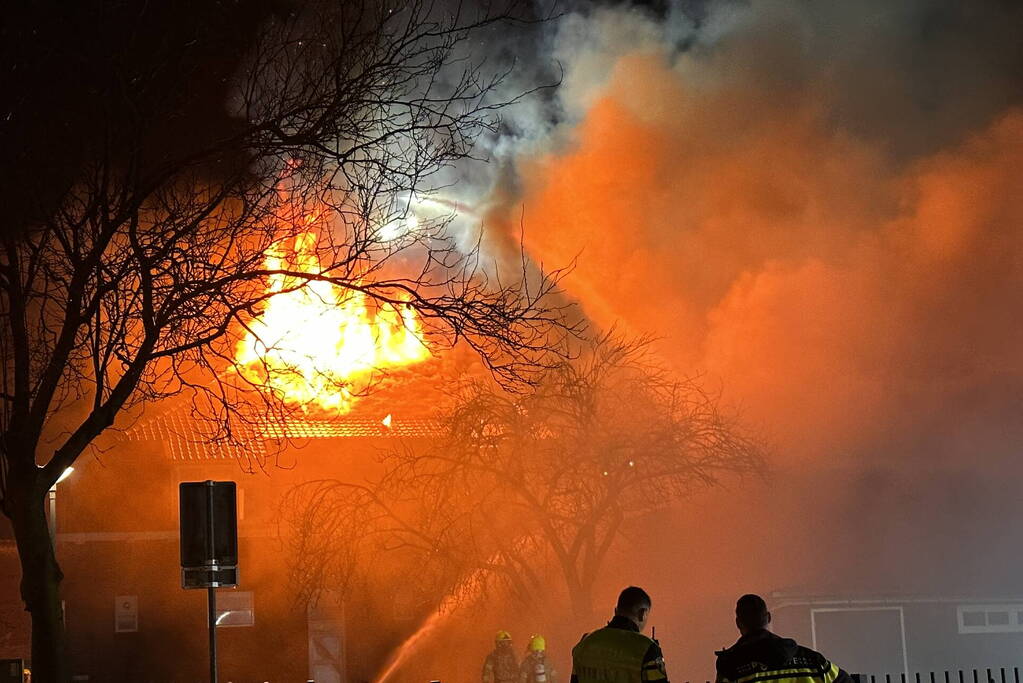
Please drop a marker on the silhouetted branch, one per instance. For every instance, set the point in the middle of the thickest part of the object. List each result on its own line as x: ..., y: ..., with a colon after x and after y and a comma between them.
x: 548, y: 478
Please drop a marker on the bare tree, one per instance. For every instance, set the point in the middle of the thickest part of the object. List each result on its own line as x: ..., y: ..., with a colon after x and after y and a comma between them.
x: 132, y: 289
x: 525, y: 486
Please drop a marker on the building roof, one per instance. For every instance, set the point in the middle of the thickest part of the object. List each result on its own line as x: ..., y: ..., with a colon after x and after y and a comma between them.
x: 354, y: 427
x: 782, y: 599
x: 186, y: 438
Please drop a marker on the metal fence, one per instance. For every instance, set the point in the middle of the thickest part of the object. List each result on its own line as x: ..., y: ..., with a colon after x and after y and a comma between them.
x: 1001, y: 674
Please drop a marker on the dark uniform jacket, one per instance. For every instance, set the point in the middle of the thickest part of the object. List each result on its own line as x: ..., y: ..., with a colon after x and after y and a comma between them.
x: 617, y: 653
x: 501, y: 666
x: 762, y: 656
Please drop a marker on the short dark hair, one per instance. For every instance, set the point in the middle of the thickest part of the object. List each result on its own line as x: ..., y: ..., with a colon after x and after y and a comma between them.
x: 751, y: 611
x: 632, y: 600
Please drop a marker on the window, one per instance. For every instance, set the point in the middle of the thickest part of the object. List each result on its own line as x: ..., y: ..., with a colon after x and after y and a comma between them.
x: 234, y: 608
x: 990, y: 618
x: 974, y: 619
x: 998, y: 618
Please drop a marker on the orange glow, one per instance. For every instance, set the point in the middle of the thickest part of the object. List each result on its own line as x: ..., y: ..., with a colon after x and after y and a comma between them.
x: 321, y: 344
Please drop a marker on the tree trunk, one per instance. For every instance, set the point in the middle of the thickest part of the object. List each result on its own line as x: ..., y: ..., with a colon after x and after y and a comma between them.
x: 40, y: 583
x: 580, y: 595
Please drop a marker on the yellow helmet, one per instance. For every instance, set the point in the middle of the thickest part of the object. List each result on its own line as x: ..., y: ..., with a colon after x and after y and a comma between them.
x: 502, y: 635
x: 537, y: 644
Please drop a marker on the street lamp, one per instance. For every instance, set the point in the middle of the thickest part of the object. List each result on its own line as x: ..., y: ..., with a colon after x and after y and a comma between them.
x: 51, y: 499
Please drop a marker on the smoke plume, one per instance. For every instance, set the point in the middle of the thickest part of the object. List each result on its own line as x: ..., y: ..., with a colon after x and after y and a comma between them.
x: 816, y: 206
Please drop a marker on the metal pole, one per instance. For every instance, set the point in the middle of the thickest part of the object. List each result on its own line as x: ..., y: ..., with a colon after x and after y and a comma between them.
x: 211, y: 592
x: 211, y: 602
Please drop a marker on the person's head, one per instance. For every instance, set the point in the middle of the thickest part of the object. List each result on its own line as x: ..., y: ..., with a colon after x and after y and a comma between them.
x: 751, y: 613
x: 503, y: 639
x: 537, y: 645
x: 634, y: 604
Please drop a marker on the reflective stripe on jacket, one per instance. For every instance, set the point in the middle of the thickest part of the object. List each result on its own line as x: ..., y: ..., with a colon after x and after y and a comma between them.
x: 763, y: 656
x: 617, y: 653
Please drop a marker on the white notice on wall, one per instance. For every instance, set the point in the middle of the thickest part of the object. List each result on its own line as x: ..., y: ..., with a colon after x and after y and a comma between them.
x: 126, y: 613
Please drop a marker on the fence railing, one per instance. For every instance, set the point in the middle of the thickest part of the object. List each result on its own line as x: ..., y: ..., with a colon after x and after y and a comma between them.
x: 1002, y: 674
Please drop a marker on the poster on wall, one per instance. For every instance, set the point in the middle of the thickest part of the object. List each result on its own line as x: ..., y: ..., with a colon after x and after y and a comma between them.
x: 126, y: 614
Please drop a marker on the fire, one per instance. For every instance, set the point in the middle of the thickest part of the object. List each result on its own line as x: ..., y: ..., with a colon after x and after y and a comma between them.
x: 320, y: 344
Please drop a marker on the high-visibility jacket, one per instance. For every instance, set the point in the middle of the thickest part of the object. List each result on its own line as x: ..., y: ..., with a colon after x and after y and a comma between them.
x: 762, y: 656
x: 617, y: 653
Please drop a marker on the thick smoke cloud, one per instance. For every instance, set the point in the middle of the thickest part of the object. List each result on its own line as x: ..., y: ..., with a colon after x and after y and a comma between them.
x: 818, y: 207
x: 814, y: 204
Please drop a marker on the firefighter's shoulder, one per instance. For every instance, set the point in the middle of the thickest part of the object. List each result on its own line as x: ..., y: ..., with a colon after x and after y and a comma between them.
x: 724, y: 655
x: 810, y: 655
x: 613, y: 637
x: 653, y: 652
x: 653, y: 668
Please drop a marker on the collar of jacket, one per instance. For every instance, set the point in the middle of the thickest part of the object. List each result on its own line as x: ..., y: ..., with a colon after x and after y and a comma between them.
x: 753, y: 636
x: 623, y: 623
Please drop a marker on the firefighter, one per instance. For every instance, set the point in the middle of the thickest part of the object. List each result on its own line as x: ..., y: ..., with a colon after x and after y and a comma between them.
x: 620, y: 652
x: 759, y: 655
x: 501, y: 665
x: 535, y: 667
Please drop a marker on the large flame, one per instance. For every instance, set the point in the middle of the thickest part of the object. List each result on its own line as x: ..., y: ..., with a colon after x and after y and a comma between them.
x: 321, y: 344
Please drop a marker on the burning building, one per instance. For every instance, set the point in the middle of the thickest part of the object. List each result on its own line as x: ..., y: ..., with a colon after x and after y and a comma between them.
x: 319, y: 349
x: 127, y: 615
